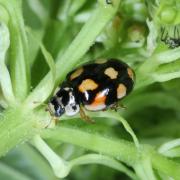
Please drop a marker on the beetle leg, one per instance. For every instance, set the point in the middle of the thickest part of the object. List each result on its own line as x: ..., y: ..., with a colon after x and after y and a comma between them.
x: 84, y: 116
x: 116, y: 106
x: 48, y: 108
x: 52, y: 123
x: 122, y: 106
x: 53, y: 120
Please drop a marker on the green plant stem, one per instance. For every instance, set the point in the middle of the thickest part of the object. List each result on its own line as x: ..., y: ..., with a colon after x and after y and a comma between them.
x: 78, y: 47
x: 60, y: 167
x: 115, y: 115
x: 144, y: 168
x: 104, y: 160
x: 119, y: 149
x: 112, y: 115
x: 16, y: 126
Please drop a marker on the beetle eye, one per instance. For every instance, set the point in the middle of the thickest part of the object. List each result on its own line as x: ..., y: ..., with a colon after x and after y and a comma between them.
x: 59, y: 111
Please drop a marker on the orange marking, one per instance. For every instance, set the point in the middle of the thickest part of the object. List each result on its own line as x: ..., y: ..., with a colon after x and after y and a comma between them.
x: 130, y: 73
x: 121, y: 91
x: 76, y: 73
x: 99, y: 99
x: 87, y: 84
x: 111, y: 72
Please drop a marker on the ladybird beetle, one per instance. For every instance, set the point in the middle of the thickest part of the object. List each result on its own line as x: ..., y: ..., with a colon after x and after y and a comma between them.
x: 94, y: 86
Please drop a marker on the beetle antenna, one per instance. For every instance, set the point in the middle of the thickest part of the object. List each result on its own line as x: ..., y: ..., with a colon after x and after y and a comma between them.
x: 40, y: 103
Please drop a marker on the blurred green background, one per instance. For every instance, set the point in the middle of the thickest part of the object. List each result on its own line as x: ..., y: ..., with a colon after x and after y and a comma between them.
x: 133, y: 34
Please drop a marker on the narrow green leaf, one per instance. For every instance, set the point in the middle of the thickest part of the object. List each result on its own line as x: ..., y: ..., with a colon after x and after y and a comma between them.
x: 104, y: 160
x: 18, y: 49
x: 5, y: 80
x: 168, y: 56
x: 44, y: 91
x: 39, y: 10
x: 152, y: 37
x: 75, y: 6
x: 144, y: 168
x: 116, y: 116
x: 167, y: 72
x: 168, y: 147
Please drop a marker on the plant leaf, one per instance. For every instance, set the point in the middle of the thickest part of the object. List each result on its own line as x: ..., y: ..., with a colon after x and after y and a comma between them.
x: 5, y: 80
x: 18, y: 56
x: 43, y: 92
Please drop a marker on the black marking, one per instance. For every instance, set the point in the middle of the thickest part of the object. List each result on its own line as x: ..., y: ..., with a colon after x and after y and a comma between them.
x: 64, y: 95
x: 74, y: 108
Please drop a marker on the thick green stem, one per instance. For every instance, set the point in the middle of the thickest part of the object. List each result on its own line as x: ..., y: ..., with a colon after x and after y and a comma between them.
x: 60, y: 167
x: 122, y: 150
x: 119, y: 149
x: 16, y: 126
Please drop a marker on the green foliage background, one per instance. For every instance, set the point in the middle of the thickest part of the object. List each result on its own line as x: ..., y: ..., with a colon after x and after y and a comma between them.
x: 40, y: 42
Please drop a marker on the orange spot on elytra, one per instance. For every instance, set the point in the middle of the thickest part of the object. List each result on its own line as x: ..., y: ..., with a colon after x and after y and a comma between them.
x: 121, y: 91
x: 130, y: 73
x: 99, y: 99
x: 111, y: 72
x: 76, y: 73
x: 87, y: 84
